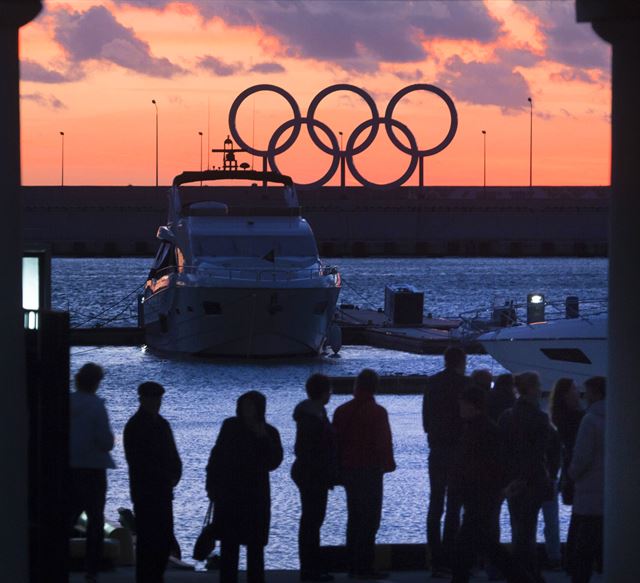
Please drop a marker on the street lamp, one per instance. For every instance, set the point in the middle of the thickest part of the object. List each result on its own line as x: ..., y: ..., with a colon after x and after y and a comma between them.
x: 530, y: 142
x: 200, y: 134
x: 156, y: 106
x: 62, y: 159
x: 484, y: 159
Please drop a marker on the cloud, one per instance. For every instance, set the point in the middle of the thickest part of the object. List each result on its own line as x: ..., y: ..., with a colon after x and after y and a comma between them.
x: 97, y: 35
x: 355, y: 36
x: 49, y: 101
x: 485, y: 84
x: 572, y: 74
x: 517, y: 57
x: 267, y: 68
x: 570, y: 43
x: 218, y: 67
x: 409, y: 76
x: 32, y: 71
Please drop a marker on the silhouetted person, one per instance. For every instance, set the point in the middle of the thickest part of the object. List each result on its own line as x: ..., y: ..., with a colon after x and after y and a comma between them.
x: 479, y: 477
x: 566, y: 413
x: 443, y: 425
x: 587, y: 471
x: 314, y: 472
x: 550, y: 508
x: 90, y: 440
x: 247, y: 449
x: 154, y: 471
x: 526, y: 435
x: 366, y: 454
x: 483, y: 378
x: 501, y: 397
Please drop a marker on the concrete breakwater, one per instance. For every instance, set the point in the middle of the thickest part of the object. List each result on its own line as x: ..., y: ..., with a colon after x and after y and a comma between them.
x: 440, y: 221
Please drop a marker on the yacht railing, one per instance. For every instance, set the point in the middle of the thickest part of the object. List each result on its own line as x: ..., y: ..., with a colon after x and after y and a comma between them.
x: 248, y: 274
x: 509, y: 313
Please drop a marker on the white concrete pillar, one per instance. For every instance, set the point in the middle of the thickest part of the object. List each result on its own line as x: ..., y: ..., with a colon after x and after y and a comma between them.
x: 619, y: 24
x: 13, y: 402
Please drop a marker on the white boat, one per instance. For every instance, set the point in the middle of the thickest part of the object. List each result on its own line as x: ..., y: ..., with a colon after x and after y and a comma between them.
x: 234, y: 281
x: 555, y: 347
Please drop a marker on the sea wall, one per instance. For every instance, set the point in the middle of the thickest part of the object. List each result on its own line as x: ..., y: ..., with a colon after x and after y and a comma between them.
x: 353, y: 221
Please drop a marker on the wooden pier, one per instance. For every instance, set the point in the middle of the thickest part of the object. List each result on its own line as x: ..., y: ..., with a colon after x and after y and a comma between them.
x: 107, y: 336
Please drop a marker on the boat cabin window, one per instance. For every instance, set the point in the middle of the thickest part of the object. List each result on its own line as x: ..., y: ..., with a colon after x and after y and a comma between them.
x: 254, y: 246
x: 566, y: 355
x: 165, y: 258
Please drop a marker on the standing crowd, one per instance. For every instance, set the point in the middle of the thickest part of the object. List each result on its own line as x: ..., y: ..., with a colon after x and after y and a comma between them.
x: 486, y: 445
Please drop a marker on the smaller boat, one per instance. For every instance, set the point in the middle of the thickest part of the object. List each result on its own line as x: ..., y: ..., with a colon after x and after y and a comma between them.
x: 563, y: 343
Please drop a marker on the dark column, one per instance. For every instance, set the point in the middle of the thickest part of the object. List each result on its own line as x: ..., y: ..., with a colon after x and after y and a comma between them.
x: 619, y: 24
x: 13, y: 406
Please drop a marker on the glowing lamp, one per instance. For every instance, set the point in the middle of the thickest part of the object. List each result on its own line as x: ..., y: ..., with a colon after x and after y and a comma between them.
x: 535, y: 308
x: 36, y: 271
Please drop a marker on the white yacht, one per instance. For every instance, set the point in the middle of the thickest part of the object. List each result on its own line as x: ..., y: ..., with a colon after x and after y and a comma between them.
x: 574, y: 347
x: 564, y: 340
x: 234, y: 281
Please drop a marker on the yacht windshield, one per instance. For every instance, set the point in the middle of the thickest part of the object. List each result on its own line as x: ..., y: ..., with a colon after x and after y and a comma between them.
x: 255, y: 246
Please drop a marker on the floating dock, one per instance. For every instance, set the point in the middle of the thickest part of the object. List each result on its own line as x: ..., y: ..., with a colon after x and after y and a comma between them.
x: 372, y: 328
x: 361, y: 327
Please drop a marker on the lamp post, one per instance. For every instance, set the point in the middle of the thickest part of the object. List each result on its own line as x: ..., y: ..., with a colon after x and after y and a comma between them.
x: 200, y: 134
x: 530, y: 142
x: 156, y: 106
x: 484, y: 159
x: 62, y: 159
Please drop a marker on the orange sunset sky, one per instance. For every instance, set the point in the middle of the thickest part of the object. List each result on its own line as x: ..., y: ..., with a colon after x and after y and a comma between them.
x: 90, y: 68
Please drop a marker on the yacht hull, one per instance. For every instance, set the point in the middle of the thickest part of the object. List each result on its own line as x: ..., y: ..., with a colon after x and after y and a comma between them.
x: 239, y: 322
x: 569, y: 348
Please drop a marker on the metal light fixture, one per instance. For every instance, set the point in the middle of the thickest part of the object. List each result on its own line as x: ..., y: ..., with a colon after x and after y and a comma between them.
x: 535, y: 308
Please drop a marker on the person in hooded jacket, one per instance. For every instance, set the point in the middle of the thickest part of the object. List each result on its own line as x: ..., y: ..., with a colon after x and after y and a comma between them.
x: 90, y: 441
x: 247, y: 449
x: 314, y: 471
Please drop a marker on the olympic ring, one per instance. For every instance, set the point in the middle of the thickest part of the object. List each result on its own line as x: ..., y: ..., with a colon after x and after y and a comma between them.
x: 273, y: 150
x: 388, y: 115
x: 271, y: 155
x: 233, y: 112
x: 393, y: 184
x: 343, y: 87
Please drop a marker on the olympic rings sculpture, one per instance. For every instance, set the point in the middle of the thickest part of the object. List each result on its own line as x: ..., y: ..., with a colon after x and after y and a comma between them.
x: 351, y: 150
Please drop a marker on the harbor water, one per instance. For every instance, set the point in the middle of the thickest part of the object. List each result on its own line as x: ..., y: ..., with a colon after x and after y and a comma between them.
x: 201, y: 393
